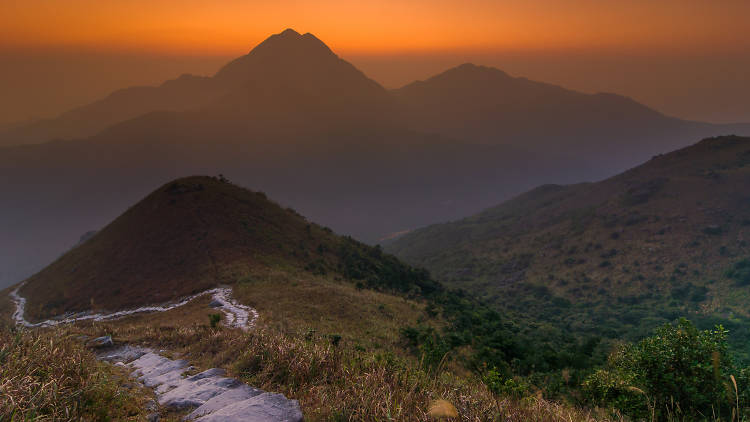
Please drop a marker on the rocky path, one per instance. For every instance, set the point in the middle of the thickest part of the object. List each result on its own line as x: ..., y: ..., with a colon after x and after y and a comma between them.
x: 236, y: 314
x: 212, y: 396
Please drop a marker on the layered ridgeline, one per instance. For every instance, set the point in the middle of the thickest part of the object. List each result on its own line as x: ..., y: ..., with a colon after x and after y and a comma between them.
x: 285, y: 61
x: 290, y: 118
x: 488, y: 106
x: 196, y: 233
x: 295, y: 120
x: 615, y: 258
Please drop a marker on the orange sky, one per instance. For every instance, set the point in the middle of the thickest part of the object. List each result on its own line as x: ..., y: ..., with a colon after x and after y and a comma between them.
x: 376, y: 26
x: 687, y: 58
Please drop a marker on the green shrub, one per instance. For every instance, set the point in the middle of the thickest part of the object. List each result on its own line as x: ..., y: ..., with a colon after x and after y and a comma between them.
x: 214, y: 319
x: 680, y: 370
x: 740, y: 272
x: 507, y: 387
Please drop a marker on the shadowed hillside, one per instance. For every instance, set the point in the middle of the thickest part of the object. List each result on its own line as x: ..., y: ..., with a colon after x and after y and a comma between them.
x: 197, y: 233
x: 665, y: 239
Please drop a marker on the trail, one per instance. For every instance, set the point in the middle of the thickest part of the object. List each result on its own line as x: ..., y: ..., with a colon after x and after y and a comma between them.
x: 236, y: 314
x: 210, y: 395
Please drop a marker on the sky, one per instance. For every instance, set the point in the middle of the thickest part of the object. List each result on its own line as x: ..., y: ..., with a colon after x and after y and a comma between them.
x: 688, y: 58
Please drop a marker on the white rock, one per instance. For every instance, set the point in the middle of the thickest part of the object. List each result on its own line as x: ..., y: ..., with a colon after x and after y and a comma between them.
x: 262, y: 408
x: 227, y: 398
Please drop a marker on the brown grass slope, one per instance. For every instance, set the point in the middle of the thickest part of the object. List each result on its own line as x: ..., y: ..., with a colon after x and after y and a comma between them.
x: 187, y: 236
x: 681, y: 219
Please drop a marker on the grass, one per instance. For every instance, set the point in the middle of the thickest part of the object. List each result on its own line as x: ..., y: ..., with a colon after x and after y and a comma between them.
x: 302, y: 302
x: 339, y: 383
x: 620, y: 267
x: 46, y: 375
x: 362, y: 377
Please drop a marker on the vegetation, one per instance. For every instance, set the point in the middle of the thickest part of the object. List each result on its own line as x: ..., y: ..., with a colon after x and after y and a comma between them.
x: 194, y: 233
x: 214, y: 319
x: 564, y: 276
x: 610, y: 261
x: 679, y: 373
x: 48, y: 375
x: 740, y: 272
x: 328, y: 379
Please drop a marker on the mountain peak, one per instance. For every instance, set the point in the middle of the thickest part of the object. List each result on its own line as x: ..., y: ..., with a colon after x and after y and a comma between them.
x: 287, y: 49
x: 289, y: 32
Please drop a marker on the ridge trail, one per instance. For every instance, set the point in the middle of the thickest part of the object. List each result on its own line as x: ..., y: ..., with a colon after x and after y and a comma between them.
x: 237, y: 315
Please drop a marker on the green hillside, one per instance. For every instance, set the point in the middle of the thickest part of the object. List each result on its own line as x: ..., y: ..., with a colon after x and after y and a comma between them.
x: 614, y: 258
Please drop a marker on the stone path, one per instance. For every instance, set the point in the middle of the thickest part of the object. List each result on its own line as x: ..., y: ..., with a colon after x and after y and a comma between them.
x: 212, y: 396
x: 236, y: 314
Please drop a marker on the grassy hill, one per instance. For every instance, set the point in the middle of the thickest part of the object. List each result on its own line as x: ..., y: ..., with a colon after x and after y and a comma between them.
x: 615, y: 258
x: 335, y: 315
x: 195, y: 233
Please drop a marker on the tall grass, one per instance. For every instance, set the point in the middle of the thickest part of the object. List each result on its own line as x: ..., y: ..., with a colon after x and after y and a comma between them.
x: 339, y: 382
x: 47, y: 376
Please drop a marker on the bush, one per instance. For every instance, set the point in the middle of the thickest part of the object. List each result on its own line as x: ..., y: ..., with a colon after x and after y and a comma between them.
x: 679, y: 369
x: 740, y: 272
x: 214, y: 319
x: 507, y: 387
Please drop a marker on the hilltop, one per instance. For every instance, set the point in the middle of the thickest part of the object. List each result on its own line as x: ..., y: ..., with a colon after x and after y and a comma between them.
x: 616, y: 257
x: 196, y: 233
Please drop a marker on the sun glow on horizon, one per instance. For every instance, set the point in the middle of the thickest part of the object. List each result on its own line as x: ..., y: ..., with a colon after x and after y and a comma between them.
x: 386, y: 26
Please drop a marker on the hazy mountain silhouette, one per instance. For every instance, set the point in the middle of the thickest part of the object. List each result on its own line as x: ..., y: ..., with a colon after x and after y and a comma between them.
x: 486, y: 105
x: 292, y: 119
x: 285, y: 63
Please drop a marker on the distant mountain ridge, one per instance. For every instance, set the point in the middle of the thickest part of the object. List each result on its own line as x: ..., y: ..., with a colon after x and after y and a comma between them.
x: 486, y: 105
x: 301, y: 63
x: 293, y: 119
x: 469, y: 102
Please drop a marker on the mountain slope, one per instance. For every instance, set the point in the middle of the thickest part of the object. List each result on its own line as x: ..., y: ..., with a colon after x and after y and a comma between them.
x: 664, y: 239
x: 193, y: 234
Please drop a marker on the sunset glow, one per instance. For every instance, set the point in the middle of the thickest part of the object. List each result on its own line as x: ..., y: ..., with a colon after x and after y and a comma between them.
x: 229, y: 26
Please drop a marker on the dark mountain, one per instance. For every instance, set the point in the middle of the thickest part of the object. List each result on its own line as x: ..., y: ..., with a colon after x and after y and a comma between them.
x: 286, y: 62
x: 193, y: 234
x: 183, y: 93
x: 485, y: 105
x: 668, y: 238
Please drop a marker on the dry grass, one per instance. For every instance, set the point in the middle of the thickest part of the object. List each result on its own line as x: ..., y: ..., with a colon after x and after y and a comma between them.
x: 365, y: 377
x: 47, y: 375
x: 302, y: 302
x: 341, y: 383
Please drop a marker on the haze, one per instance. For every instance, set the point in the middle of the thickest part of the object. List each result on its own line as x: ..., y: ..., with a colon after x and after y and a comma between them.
x: 686, y: 59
